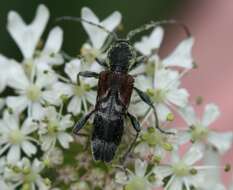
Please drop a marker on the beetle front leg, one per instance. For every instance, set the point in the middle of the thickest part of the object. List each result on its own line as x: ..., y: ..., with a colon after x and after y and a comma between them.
x: 140, y: 60
x: 145, y: 98
x: 87, y: 74
x: 82, y: 122
x: 102, y: 63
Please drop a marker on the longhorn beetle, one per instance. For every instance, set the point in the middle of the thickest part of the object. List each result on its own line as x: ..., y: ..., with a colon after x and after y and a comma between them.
x: 115, y: 87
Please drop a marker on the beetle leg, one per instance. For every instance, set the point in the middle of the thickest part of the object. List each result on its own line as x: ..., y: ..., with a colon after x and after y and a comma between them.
x: 140, y: 60
x: 87, y: 74
x: 123, y: 158
x: 135, y: 123
x: 145, y: 98
x: 102, y: 63
x: 137, y: 128
x: 82, y: 122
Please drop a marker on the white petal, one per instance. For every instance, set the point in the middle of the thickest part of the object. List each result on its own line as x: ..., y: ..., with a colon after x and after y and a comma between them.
x: 179, y: 97
x: 40, y: 182
x: 91, y: 97
x: 182, y: 55
x: 37, y: 166
x: 176, y: 184
x: 188, y: 115
x: 14, y: 154
x: 121, y: 178
x: 17, y: 78
x: 66, y: 122
x: 183, y: 137
x: 222, y: 141
x: 45, y: 79
x: 97, y: 35
x: 75, y: 105
x: 138, y: 109
x: 11, y: 120
x: 27, y: 36
x: 148, y: 44
x: 28, y: 126
x: 51, y: 113
x: 72, y: 69
x: 143, y: 83
x: 65, y: 139
x: 162, y: 111
x: 47, y: 142
x: 54, y: 41
x: 29, y: 148
x: 17, y: 103
x: 211, y: 113
x: 194, y: 154
x: 165, y: 79
x: 140, y: 167
x: 162, y: 171
x: 4, y: 71
x: 54, y: 95
x: 38, y: 111
x: 112, y: 21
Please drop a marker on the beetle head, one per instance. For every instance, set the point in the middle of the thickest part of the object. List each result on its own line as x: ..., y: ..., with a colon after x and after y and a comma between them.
x: 121, y: 55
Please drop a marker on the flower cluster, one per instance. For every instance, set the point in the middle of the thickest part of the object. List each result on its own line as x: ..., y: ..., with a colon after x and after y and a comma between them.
x: 41, y: 100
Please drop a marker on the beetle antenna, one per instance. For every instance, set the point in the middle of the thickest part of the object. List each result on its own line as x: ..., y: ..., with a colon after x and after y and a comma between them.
x: 153, y: 24
x: 78, y: 19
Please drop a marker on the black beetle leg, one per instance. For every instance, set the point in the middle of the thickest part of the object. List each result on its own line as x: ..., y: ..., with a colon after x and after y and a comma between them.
x: 145, y: 98
x: 102, y: 63
x: 134, y: 122
x: 82, y: 122
x: 140, y: 60
x: 137, y: 128
x: 87, y: 74
x: 123, y: 158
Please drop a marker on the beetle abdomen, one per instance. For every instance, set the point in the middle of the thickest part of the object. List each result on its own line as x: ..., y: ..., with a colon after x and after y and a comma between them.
x: 106, y: 137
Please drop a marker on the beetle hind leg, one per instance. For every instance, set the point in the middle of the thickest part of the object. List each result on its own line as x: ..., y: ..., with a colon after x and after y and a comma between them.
x: 145, y: 98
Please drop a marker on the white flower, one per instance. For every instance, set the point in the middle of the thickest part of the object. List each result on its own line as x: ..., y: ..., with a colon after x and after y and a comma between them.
x: 138, y: 180
x: 154, y: 143
x: 31, y: 91
x: 164, y: 91
x: 97, y: 35
x: 200, y: 133
x: 181, y: 56
x: 53, y: 157
x: 7, y: 68
x: 4, y: 64
x: 148, y: 44
x: 28, y: 175
x: 182, y: 171
x: 14, y: 138
x: 212, y: 177
x: 6, y: 186
x: 27, y: 38
x: 80, y: 94
x: 53, y: 128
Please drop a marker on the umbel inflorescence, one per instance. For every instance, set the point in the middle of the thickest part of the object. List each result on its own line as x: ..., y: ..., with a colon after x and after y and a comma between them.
x: 41, y: 100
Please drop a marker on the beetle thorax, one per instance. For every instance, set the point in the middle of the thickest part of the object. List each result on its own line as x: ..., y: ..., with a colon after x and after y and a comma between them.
x: 120, y: 56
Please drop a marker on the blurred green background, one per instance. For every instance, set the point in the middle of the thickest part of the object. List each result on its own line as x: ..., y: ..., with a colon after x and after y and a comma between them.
x: 135, y: 13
